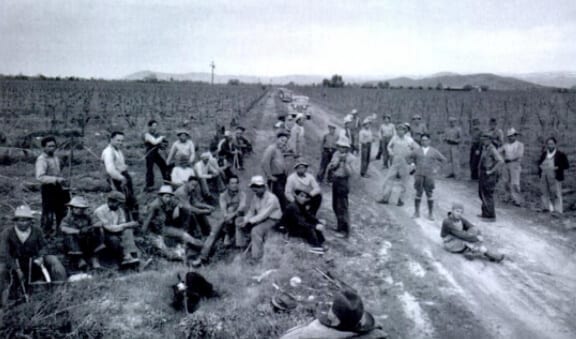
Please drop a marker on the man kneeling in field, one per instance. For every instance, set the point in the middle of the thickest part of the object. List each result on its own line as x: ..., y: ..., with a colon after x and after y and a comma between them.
x: 460, y: 236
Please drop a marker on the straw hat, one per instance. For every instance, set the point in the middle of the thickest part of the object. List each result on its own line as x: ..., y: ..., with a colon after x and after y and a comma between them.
x: 166, y: 189
x: 257, y: 180
x: 511, y: 132
x: 23, y: 212
x: 79, y: 202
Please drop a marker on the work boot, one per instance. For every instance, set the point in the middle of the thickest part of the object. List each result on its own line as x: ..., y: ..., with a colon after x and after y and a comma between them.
x: 81, y: 263
x: 382, y: 201
x: 95, y: 263
x: 430, y: 209
x: 416, y: 208
x: 129, y: 260
x: 494, y: 257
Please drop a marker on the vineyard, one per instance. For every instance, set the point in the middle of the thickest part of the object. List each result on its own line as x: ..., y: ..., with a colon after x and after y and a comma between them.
x: 536, y: 114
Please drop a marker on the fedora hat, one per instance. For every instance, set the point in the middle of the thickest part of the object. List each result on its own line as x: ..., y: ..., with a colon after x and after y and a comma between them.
x: 23, y: 212
x: 343, y: 141
x: 349, y: 309
x: 116, y: 196
x: 301, y: 163
x: 511, y: 132
x: 240, y: 128
x: 348, y: 118
x: 79, y: 202
x: 282, y: 133
x: 182, y: 131
x: 166, y: 189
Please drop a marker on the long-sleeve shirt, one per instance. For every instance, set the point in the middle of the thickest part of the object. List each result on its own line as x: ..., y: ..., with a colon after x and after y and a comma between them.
x: 329, y: 141
x: 341, y: 168
x: 206, y: 170
x: 266, y: 207
x: 307, y: 182
x: 400, y: 148
x: 47, y: 169
x: 513, y: 151
x: 365, y: 136
x: 426, y: 159
x: 12, y: 249
x: 273, y: 161
x: 114, y: 162
x: 490, y: 160
x: 387, y: 131
x: 182, y: 149
x: 461, y: 229
x: 297, y: 216
x: 453, y: 135
x: 230, y: 204
x: 110, y: 219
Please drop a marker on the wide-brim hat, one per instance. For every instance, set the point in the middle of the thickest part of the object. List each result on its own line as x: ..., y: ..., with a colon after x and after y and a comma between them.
x: 240, y: 128
x: 206, y: 155
x: 331, y: 126
x: 227, y: 133
x: 116, y: 196
x: 348, y: 118
x: 367, y: 121
x: 282, y: 133
x: 301, y: 163
x: 354, y: 111
x: 79, y: 202
x: 299, y: 116
x: 417, y: 117
x: 182, y: 131
x: 257, y: 181
x: 283, y: 303
x: 511, y: 132
x: 23, y: 212
x: 351, y: 314
x: 166, y: 189
x: 343, y: 142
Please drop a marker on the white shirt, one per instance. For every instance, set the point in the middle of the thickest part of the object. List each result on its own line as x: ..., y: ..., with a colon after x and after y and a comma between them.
x: 114, y: 162
x: 182, y: 149
x: 180, y: 174
x: 307, y: 182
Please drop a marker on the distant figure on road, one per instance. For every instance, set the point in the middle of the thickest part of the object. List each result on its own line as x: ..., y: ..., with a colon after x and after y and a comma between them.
x: 355, y: 129
x: 117, y: 171
x: 453, y: 138
x: 153, y: 143
x: 513, y: 152
x: 475, y: 148
x: 489, y: 173
x: 54, y: 196
x: 341, y: 169
x: 425, y: 159
x: 551, y: 168
x: 386, y: 132
x: 296, y: 141
x: 417, y: 127
x: 328, y: 149
x: 274, y: 166
x: 460, y: 236
x: 365, y: 139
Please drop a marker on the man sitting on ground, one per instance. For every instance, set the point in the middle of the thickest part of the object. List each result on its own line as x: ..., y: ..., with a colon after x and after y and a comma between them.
x: 232, y: 205
x: 243, y: 145
x: 263, y: 214
x: 209, y: 175
x: 196, y: 210
x: 22, y: 255
x: 83, y: 238
x: 118, y: 234
x: 301, y: 222
x: 182, y: 171
x: 460, y: 236
x: 165, y: 220
x: 302, y: 180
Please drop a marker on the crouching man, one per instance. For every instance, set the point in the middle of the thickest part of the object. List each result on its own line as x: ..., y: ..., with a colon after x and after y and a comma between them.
x: 263, y: 214
x: 460, y: 236
x: 164, y: 220
x: 83, y: 238
x: 118, y: 234
x: 22, y: 255
x: 301, y: 222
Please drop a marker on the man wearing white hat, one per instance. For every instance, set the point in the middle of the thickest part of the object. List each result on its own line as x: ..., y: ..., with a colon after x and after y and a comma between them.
x: 365, y: 138
x: 513, y: 152
x: 341, y: 168
x: 263, y: 214
x: 23, y: 254
x: 453, y: 138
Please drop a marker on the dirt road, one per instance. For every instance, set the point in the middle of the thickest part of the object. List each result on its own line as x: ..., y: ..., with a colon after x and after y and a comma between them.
x: 429, y: 293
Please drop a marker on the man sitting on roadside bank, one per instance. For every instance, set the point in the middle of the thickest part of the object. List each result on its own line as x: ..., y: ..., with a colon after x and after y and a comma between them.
x: 301, y: 179
x: 301, y: 222
x: 23, y: 255
x: 194, y: 209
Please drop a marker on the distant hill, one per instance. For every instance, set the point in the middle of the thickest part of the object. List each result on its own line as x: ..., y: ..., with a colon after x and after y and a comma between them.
x: 564, y: 79
x: 452, y: 80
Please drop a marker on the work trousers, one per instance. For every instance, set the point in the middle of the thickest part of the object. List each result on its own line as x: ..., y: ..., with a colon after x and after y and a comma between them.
x: 365, y: 150
x: 154, y: 157
x: 486, y: 188
x: 424, y: 183
x: 131, y: 205
x: 401, y: 171
x: 475, y: 154
x: 277, y: 187
x: 454, y: 159
x: 85, y: 244
x: 228, y: 227
x: 314, y: 237
x: 327, y: 154
x: 340, y: 190
x: 551, y: 192
x: 383, y: 151
x: 54, y: 200
x: 315, y: 203
x: 513, y: 171
x: 258, y: 234
x: 121, y: 243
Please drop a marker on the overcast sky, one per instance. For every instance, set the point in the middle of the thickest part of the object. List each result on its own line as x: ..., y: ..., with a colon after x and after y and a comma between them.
x: 113, y: 38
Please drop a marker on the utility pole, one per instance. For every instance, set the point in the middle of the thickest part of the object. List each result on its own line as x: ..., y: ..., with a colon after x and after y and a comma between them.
x: 213, y: 66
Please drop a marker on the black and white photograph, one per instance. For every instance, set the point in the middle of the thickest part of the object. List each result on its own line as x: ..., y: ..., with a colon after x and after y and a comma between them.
x: 288, y: 169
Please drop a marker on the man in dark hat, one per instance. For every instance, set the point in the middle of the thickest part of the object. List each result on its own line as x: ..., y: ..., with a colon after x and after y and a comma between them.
x: 23, y: 255
x: 274, y: 166
x: 54, y: 196
x: 301, y: 222
x: 153, y: 143
x: 489, y: 172
x: 118, y: 233
x: 346, y: 318
x: 328, y: 149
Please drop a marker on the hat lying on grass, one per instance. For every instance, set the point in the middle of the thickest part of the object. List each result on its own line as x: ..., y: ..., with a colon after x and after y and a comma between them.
x: 348, y: 308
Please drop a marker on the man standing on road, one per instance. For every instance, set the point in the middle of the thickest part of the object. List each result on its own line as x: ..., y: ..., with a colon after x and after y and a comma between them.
x: 355, y: 130
x: 328, y: 149
x: 365, y: 139
x: 341, y: 168
x: 54, y: 196
x: 496, y: 133
x: 153, y: 142
x: 489, y: 173
x: 117, y: 171
x: 513, y: 152
x: 386, y: 132
x: 453, y: 137
x: 425, y: 158
x: 475, y: 148
x: 274, y: 166
x: 551, y: 168
x: 296, y: 140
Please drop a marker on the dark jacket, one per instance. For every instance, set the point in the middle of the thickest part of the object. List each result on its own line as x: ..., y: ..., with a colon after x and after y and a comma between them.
x: 296, y: 216
x: 560, y: 162
x: 11, y: 249
x: 448, y: 228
